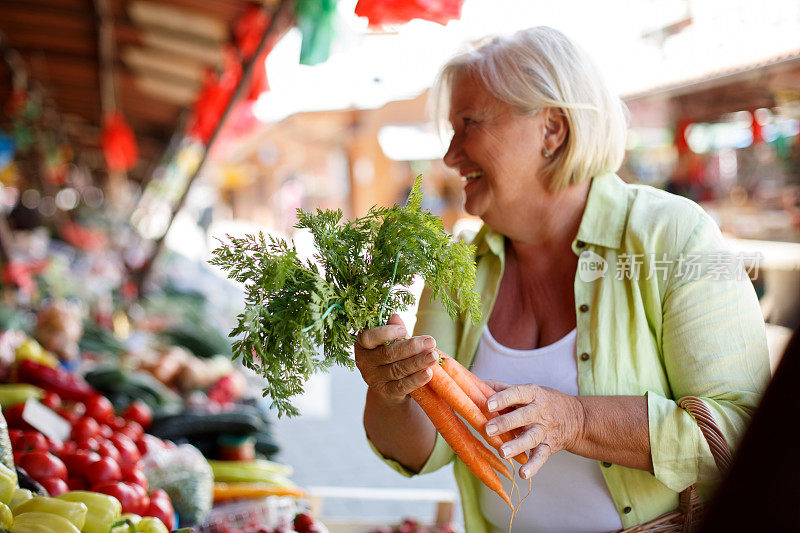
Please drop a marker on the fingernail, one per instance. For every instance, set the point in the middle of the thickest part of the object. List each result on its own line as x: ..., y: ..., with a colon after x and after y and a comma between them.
x: 492, y: 405
x: 432, y: 357
x: 491, y: 429
x: 504, y: 452
x: 428, y: 372
x: 524, y: 474
x: 428, y: 343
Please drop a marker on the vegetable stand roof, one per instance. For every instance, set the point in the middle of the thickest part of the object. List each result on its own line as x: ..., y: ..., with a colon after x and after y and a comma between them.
x: 160, y: 52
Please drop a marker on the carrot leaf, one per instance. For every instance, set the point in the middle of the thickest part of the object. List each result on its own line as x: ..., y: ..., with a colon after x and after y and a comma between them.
x: 301, y: 316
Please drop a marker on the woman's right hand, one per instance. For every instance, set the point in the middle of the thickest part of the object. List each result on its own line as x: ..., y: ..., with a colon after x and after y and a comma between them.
x: 394, y: 369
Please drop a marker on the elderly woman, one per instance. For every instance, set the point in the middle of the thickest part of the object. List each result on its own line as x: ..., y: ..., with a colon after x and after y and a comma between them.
x: 593, y: 322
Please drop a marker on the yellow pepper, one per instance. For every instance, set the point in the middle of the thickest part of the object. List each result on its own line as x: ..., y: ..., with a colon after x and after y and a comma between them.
x: 16, y: 393
x: 6, y: 516
x: 8, y: 482
x: 30, y: 349
x: 75, y: 512
x: 103, y: 510
x: 38, y: 522
x: 20, y: 496
x: 150, y: 524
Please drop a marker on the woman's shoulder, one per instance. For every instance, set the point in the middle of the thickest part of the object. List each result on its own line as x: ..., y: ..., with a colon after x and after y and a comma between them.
x: 665, y: 220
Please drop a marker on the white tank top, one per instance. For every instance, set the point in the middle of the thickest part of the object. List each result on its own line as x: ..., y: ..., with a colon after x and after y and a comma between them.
x: 569, y: 493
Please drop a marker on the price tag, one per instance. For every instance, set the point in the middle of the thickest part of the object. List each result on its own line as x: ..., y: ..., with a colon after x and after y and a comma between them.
x: 46, y: 421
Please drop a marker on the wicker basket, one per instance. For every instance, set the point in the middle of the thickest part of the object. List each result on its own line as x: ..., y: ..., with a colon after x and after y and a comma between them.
x: 689, y: 514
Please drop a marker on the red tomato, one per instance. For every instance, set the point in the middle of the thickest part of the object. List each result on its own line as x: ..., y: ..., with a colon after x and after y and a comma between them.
x: 78, y: 461
x: 41, y: 465
x: 84, y: 428
x: 68, y: 447
x: 90, y: 443
x: 54, y: 486
x: 13, y: 435
x: 149, y: 443
x: 29, y: 441
x: 161, y: 507
x: 139, y: 412
x: 133, y: 430
x: 118, y: 423
x: 54, y: 446
x: 132, y: 473
x: 124, y: 493
x: 104, y: 470
x: 13, y: 417
x: 106, y: 431
x: 141, y: 500
x: 51, y: 400
x: 107, y: 449
x: 77, y: 483
x: 100, y: 408
x: 128, y: 452
x: 68, y: 414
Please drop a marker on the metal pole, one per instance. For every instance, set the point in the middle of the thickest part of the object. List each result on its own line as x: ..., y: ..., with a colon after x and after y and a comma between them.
x: 281, y: 22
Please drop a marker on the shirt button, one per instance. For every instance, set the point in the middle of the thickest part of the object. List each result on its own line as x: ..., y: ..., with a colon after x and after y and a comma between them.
x: 607, y: 465
x: 584, y: 356
x: 583, y: 308
x: 580, y: 244
x: 627, y: 510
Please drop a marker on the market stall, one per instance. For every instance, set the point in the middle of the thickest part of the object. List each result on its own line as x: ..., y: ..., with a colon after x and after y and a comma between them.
x: 124, y: 407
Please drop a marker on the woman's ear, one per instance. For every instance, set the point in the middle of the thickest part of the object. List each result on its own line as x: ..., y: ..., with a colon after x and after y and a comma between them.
x: 556, y: 128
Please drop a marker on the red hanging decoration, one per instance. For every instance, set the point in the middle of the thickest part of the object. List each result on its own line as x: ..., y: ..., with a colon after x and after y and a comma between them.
x: 755, y: 127
x: 680, y: 136
x: 249, y: 30
x: 213, y: 98
x: 382, y: 12
x: 119, y: 144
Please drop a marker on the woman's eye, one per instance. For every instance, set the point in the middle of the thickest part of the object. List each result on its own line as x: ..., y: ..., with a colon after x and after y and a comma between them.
x: 468, y: 122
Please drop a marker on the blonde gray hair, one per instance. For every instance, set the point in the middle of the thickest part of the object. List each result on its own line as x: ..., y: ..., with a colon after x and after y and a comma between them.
x: 541, y: 68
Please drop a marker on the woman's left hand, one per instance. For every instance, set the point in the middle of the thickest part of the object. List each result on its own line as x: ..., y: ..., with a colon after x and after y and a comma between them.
x: 545, y: 421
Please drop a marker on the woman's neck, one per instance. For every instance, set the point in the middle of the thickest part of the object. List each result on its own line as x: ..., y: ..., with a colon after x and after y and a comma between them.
x: 550, y: 225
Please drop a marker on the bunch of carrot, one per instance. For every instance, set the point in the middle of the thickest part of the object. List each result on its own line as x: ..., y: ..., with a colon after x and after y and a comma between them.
x: 453, y: 390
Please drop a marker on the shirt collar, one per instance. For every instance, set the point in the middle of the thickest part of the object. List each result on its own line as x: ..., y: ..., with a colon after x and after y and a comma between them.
x: 606, y: 211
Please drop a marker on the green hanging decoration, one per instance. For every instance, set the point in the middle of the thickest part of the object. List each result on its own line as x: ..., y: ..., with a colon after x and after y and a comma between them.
x: 316, y: 20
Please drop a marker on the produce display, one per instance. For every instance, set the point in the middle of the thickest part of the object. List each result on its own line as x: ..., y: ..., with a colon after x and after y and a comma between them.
x: 121, y: 416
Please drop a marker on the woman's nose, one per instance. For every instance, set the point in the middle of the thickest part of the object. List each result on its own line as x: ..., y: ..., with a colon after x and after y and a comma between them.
x: 453, y: 154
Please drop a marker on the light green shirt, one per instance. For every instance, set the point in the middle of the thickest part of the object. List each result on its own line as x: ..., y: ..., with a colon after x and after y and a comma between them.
x: 659, y: 328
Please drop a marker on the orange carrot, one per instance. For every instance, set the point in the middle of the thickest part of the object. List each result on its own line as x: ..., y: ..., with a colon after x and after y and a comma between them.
x: 449, y: 391
x: 478, y: 391
x: 456, y: 434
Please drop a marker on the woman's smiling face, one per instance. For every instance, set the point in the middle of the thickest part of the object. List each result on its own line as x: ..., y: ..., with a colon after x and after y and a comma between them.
x: 497, y: 150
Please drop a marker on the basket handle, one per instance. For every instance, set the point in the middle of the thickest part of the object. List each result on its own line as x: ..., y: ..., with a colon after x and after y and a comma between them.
x: 708, y: 426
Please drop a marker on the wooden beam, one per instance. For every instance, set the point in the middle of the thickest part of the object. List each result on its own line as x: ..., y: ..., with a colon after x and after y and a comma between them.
x: 182, y: 21
x: 148, y: 60
x: 168, y: 91
x: 209, y: 54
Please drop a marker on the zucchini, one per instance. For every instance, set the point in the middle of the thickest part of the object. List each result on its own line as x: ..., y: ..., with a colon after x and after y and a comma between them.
x: 189, y: 424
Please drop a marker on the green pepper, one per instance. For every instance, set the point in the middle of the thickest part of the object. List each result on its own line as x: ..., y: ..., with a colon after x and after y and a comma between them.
x: 150, y: 524
x: 104, y: 510
x: 6, y: 516
x: 20, y: 496
x: 39, y: 522
x: 8, y: 482
x: 75, y: 512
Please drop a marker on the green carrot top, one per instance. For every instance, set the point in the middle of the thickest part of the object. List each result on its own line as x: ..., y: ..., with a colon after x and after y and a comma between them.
x: 357, y: 277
